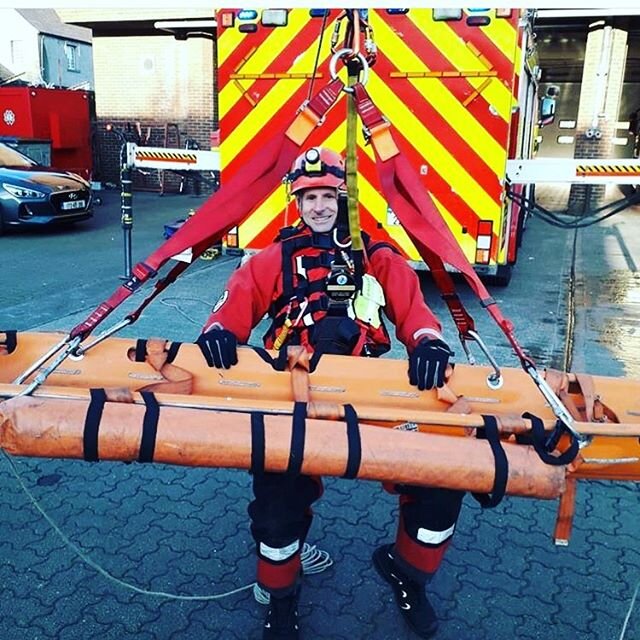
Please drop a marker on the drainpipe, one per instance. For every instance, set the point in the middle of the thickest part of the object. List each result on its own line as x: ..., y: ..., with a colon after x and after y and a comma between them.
x: 602, y: 77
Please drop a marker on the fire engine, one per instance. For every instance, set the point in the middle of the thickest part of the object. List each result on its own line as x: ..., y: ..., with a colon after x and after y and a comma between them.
x: 459, y: 87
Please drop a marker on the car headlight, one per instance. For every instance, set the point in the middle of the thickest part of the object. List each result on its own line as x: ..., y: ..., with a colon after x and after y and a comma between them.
x: 22, y: 193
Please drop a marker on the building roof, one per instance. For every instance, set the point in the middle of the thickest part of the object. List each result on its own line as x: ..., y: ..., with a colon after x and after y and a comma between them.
x: 48, y: 22
x: 5, y: 73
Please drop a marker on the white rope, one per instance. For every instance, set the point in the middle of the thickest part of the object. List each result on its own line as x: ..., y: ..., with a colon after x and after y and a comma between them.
x: 626, y: 620
x: 313, y: 560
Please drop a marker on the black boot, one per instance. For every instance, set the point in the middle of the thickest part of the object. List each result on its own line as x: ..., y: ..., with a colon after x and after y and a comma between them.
x: 281, y: 622
x: 410, y: 596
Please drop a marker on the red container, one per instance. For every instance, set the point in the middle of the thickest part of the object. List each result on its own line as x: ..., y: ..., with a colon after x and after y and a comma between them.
x: 59, y: 115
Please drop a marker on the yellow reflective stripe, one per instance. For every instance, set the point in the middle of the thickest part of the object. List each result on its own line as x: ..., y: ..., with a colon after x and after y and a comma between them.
x: 434, y: 152
x: 267, y: 52
x: 465, y: 240
x: 257, y: 222
x: 228, y: 42
x: 268, y: 105
x: 276, y: 201
x: 502, y: 34
x: 463, y: 58
x: 375, y: 204
x: 438, y: 95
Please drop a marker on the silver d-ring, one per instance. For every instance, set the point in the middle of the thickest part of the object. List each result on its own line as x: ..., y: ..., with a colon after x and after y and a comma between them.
x: 334, y: 61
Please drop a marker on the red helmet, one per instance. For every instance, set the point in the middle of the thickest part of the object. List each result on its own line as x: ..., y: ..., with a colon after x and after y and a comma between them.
x: 316, y: 167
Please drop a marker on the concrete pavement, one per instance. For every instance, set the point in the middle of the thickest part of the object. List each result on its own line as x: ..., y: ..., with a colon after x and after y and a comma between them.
x: 185, y: 531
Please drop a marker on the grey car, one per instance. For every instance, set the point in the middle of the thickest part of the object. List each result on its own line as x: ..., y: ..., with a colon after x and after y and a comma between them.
x: 33, y: 196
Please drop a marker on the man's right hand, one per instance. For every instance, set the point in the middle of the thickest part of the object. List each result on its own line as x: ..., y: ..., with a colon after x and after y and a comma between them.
x: 219, y: 348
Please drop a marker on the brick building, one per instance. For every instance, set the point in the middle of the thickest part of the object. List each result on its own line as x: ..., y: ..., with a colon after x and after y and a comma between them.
x: 156, y: 88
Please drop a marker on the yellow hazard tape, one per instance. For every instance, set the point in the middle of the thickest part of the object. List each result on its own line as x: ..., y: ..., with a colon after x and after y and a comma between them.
x: 166, y: 156
x: 607, y: 169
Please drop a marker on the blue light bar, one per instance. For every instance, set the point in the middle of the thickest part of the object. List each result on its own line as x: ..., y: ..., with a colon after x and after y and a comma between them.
x: 393, y: 12
x: 319, y: 13
x: 247, y: 14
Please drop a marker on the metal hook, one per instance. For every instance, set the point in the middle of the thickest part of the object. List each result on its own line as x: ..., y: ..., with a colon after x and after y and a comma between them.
x: 80, y: 351
x: 341, y: 53
x: 495, y: 379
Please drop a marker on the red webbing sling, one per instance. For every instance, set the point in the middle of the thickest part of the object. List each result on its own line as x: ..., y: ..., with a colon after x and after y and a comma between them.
x: 423, y: 223
x: 224, y: 209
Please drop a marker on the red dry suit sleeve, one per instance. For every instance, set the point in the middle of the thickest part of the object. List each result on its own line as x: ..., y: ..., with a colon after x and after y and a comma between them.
x: 248, y: 293
x: 405, y: 305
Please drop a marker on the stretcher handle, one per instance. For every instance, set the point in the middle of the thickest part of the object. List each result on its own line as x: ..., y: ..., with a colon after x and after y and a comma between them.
x: 38, y: 363
x: 71, y: 344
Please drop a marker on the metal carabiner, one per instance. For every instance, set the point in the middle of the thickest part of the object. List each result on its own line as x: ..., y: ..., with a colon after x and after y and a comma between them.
x: 495, y: 379
x: 334, y: 61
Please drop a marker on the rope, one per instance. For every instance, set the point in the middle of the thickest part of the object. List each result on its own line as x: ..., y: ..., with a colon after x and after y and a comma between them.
x: 313, y: 560
x: 586, y: 220
x: 169, y: 302
x: 317, y: 60
x: 628, y: 616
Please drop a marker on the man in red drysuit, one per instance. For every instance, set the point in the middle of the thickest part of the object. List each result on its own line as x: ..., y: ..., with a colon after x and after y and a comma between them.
x: 318, y: 295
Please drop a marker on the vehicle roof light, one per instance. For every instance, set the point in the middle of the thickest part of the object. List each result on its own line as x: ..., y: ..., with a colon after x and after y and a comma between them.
x: 476, y: 10
x: 247, y: 14
x: 504, y: 13
x: 227, y: 19
x: 274, y: 17
x: 319, y: 13
x: 249, y: 27
x: 446, y: 14
x: 478, y: 21
x: 393, y: 12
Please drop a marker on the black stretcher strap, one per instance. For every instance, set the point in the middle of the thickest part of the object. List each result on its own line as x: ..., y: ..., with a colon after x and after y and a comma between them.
x: 149, y: 427
x: 11, y: 340
x: 279, y: 363
x: 298, y: 430
x: 172, y: 351
x: 92, y: 425
x: 491, y: 433
x: 544, y: 445
x: 141, y: 350
x: 354, y: 455
x: 257, y: 443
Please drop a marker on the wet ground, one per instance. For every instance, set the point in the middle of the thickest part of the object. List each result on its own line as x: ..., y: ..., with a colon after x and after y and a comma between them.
x: 184, y: 531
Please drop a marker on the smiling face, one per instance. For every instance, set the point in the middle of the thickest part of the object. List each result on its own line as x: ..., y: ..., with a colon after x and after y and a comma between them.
x: 319, y: 208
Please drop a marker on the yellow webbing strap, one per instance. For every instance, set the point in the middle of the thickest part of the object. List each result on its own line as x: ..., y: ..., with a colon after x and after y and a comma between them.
x: 352, y: 169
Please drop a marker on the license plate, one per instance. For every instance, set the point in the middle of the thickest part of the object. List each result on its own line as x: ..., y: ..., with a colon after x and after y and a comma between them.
x: 73, y: 204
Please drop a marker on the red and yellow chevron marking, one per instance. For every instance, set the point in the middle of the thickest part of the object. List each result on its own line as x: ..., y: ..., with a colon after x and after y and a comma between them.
x: 166, y: 156
x: 447, y: 88
x: 607, y: 170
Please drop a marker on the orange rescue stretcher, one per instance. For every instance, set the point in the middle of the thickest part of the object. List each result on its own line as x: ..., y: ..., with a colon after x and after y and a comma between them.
x: 156, y: 401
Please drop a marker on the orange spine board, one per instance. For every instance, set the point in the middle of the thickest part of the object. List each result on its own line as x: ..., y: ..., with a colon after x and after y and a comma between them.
x: 49, y: 427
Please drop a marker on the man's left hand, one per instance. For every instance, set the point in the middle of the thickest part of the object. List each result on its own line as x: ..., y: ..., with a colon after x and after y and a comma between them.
x: 428, y: 363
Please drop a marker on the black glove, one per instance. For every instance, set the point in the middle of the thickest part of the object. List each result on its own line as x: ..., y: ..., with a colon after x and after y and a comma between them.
x: 428, y: 363
x: 219, y: 348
